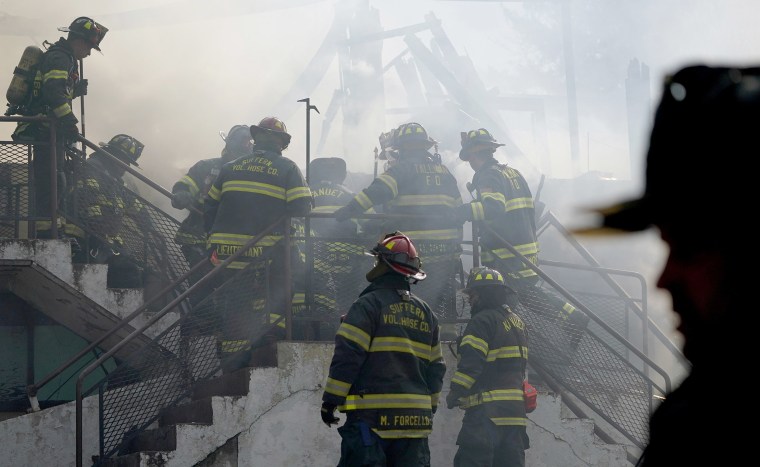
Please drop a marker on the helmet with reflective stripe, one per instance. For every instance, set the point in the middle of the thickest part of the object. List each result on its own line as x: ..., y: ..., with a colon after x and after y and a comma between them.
x: 412, y: 136
x: 398, y: 252
x: 477, y: 140
x: 87, y: 29
x: 272, y: 126
x: 125, y: 147
x: 484, y: 277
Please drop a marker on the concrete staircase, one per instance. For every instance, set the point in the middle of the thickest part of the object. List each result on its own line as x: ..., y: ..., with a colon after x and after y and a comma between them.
x: 254, y: 416
x: 269, y: 416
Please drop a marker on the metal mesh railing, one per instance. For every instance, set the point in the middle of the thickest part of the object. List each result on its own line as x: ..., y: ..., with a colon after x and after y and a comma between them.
x: 232, y: 326
x: 576, y: 353
x: 15, y: 190
x: 223, y: 332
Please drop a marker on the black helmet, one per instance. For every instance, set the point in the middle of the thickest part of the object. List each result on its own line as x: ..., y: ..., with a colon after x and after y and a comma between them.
x: 412, y: 136
x: 331, y: 169
x: 87, y: 29
x: 272, y: 126
x: 398, y: 252
x: 125, y: 147
x: 477, y: 140
x: 484, y: 277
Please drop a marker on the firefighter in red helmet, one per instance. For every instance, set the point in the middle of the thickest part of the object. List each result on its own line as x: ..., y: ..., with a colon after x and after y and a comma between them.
x: 386, y: 349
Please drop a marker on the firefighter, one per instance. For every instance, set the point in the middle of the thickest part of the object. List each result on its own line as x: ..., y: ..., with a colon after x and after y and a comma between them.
x: 249, y: 195
x: 386, y: 350
x: 56, y: 84
x: 97, y: 208
x: 418, y: 184
x: 339, y: 253
x: 488, y: 383
x: 504, y: 203
x: 190, y: 193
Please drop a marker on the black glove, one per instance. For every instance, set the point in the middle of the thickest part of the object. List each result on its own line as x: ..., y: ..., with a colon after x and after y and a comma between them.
x: 452, y: 400
x: 456, y: 217
x: 344, y: 213
x: 328, y: 414
x: 80, y: 89
x: 182, y: 199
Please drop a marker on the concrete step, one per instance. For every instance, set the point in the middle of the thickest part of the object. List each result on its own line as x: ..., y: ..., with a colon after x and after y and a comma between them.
x: 160, y: 439
x: 198, y: 412
x: 137, y: 459
x: 231, y: 384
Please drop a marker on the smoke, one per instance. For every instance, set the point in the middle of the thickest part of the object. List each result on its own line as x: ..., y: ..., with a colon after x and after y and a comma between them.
x: 173, y: 73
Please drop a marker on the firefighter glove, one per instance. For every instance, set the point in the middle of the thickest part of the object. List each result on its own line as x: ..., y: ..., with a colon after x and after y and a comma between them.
x: 182, y: 199
x: 452, y: 400
x: 328, y: 414
x: 80, y: 89
x: 456, y: 217
x: 344, y: 213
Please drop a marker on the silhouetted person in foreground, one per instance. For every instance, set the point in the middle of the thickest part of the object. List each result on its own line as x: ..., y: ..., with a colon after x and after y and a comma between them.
x: 705, y: 113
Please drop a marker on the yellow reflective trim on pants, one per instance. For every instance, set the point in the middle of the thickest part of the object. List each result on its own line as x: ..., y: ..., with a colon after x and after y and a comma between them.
x: 400, y: 434
x: 387, y: 401
x: 510, y: 421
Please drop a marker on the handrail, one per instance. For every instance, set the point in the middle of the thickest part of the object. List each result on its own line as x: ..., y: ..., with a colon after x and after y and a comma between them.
x: 581, y: 307
x: 33, y: 389
x: 615, y: 286
x: 160, y: 314
x: 131, y: 170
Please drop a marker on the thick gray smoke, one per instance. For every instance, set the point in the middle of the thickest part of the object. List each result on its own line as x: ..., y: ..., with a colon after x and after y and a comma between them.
x: 173, y: 73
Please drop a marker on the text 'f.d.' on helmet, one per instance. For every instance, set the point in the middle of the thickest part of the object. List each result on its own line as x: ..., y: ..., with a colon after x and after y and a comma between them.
x: 398, y: 252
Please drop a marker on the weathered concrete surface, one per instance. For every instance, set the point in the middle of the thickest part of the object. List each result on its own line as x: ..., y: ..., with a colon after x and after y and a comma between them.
x: 278, y: 424
x: 48, y: 438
